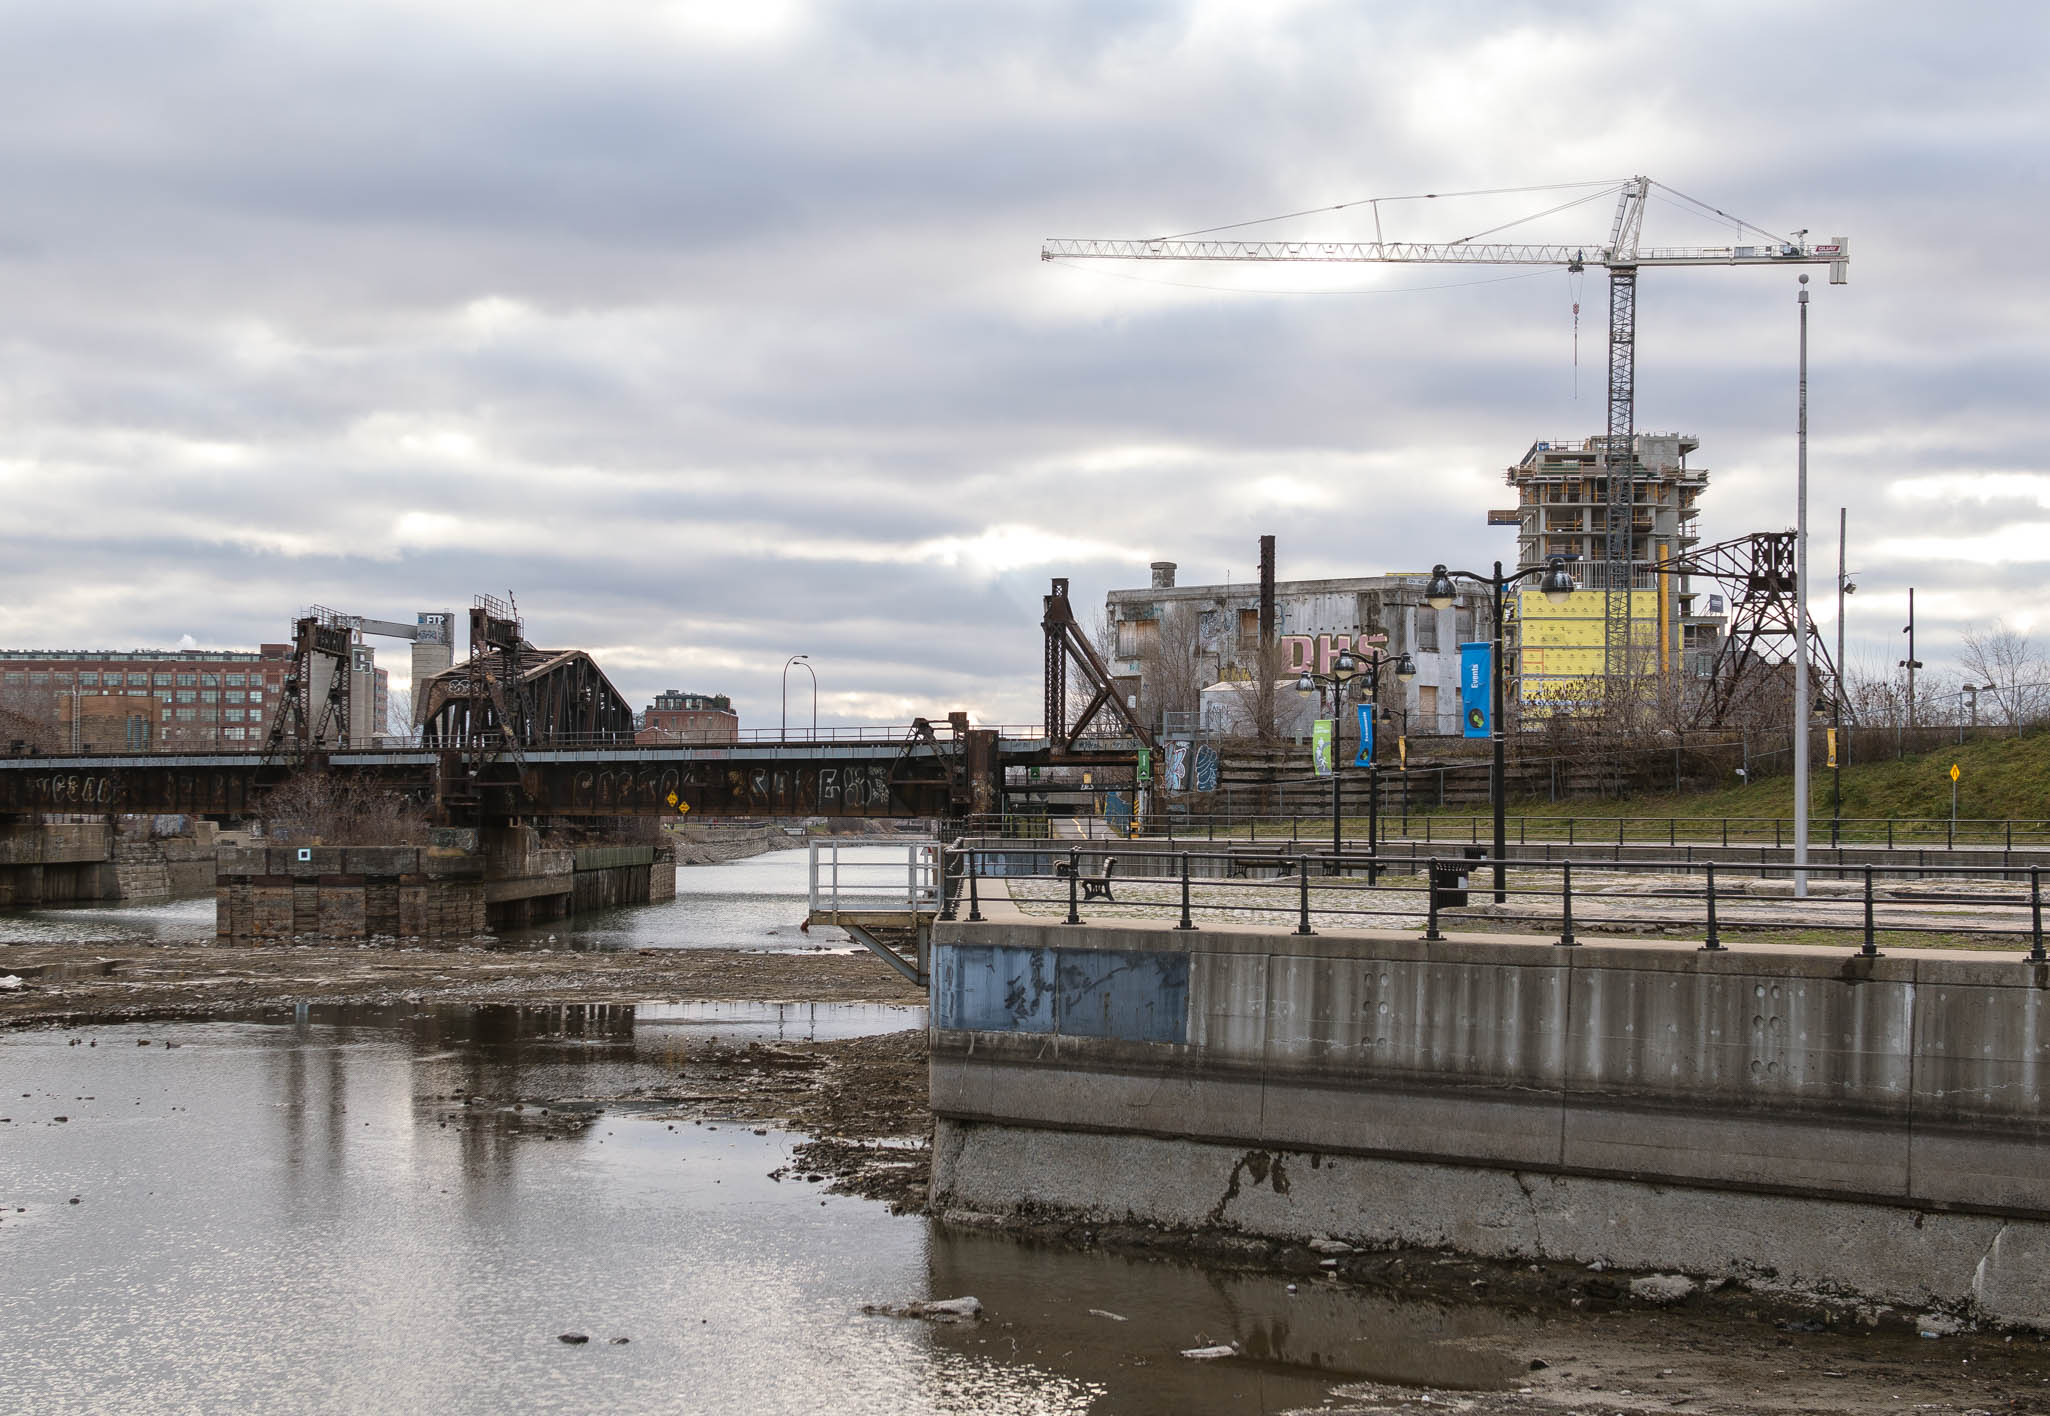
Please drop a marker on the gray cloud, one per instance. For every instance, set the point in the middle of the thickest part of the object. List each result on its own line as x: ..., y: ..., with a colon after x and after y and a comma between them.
x: 721, y: 346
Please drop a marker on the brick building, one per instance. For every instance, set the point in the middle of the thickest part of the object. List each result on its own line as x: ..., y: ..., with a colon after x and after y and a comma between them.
x: 689, y: 717
x: 162, y: 700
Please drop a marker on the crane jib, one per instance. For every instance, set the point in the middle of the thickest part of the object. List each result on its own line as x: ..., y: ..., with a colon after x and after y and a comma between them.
x: 1834, y: 253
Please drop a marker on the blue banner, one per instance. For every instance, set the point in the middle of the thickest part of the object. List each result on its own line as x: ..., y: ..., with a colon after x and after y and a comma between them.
x: 1476, y: 679
x: 1366, y: 752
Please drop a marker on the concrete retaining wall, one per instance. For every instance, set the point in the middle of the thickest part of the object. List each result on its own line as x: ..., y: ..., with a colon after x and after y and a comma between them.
x: 1775, y: 1115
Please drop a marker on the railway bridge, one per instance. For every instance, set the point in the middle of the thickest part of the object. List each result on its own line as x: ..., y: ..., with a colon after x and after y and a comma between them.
x: 519, y: 734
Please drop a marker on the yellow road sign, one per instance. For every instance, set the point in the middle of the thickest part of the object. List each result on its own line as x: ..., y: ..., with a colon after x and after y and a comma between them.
x: 1953, y: 772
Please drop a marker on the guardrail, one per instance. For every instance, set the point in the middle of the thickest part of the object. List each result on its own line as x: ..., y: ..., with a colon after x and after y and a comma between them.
x: 842, y: 883
x: 1478, y: 828
x: 1542, y: 892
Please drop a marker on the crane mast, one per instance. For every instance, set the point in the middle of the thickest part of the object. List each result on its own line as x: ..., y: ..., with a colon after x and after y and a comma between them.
x: 1622, y: 257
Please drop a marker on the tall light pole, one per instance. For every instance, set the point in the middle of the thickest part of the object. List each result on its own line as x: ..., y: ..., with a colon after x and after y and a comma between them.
x: 1836, y: 767
x: 804, y: 659
x: 1439, y: 594
x: 1803, y: 709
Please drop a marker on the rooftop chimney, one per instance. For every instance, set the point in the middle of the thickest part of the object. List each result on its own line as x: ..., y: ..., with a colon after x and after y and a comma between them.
x: 1163, y: 575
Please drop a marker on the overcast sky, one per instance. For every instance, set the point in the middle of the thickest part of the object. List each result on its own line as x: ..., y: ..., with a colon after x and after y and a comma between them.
x: 717, y: 332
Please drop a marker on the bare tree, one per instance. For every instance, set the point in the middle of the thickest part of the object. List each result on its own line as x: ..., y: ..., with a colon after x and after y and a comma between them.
x: 1175, y: 665
x: 316, y: 808
x: 2004, y: 659
x: 398, y: 713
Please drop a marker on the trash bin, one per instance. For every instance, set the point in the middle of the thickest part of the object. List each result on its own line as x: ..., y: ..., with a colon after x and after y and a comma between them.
x: 1448, y: 883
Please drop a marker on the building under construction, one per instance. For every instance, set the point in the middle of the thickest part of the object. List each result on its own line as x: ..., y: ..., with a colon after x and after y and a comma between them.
x: 1562, y: 510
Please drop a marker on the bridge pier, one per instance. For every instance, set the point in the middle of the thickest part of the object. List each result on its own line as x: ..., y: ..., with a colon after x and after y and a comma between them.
x: 462, y: 885
x: 56, y: 863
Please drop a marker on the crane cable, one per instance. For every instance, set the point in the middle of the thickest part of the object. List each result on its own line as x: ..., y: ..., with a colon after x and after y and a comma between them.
x: 1611, y: 184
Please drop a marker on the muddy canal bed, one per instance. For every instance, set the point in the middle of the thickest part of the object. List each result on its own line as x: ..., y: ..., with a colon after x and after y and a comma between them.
x: 405, y: 1207
x: 85, y: 983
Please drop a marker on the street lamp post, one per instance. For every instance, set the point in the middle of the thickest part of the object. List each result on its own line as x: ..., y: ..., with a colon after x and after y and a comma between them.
x: 1439, y: 594
x: 1844, y: 586
x: 1344, y: 670
x: 1804, y: 710
x: 804, y: 659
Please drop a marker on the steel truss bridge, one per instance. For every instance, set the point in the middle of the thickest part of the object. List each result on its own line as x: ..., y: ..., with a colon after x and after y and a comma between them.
x: 494, y: 751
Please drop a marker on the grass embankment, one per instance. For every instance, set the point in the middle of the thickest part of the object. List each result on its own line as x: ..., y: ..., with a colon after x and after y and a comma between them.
x: 1999, y: 778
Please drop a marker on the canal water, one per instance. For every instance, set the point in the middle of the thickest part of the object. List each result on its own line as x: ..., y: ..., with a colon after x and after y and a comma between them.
x: 757, y: 903
x: 297, y: 1212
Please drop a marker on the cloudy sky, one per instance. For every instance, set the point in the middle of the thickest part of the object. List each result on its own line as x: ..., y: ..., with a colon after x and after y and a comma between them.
x: 717, y: 332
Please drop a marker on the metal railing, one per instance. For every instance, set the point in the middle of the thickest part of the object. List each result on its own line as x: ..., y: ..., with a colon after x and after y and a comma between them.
x: 1849, y: 902
x: 906, y: 881
x: 1475, y: 828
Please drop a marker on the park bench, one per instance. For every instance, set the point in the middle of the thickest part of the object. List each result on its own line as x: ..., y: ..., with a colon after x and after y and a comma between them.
x: 1094, y: 887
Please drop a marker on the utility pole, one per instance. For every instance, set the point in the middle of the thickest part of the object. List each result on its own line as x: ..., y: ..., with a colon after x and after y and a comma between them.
x: 1911, y: 663
x: 1803, y: 708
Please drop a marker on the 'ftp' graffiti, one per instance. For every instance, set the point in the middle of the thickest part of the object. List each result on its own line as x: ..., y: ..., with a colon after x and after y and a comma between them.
x: 1304, y: 654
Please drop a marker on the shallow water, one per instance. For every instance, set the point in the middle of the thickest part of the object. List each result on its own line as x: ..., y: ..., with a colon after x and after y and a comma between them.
x: 291, y: 1214
x: 758, y: 903
x: 173, y: 922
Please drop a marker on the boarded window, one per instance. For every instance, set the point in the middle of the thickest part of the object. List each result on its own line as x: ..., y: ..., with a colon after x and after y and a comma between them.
x: 1427, y: 708
x: 1427, y: 630
x: 1249, y: 631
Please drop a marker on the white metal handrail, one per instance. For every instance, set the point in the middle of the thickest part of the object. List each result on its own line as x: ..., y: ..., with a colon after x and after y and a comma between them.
x: 840, y: 883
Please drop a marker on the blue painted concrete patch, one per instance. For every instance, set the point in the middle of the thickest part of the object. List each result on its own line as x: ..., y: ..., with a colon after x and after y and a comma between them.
x: 1131, y: 996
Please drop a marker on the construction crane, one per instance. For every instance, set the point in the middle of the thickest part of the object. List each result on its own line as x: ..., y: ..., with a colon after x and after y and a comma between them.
x: 1622, y: 256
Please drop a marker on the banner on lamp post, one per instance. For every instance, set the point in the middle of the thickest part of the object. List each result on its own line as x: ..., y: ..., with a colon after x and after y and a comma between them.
x: 1366, y: 752
x: 1476, y: 679
x: 1322, y: 735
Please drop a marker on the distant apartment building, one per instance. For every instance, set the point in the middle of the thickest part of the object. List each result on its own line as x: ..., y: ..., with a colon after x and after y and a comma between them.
x: 676, y: 716
x: 1190, y: 654
x: 167, y: 700
x: 146, y: 700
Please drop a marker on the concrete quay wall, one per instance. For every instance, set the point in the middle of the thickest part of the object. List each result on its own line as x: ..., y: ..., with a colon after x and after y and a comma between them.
x: 1781, y: 1116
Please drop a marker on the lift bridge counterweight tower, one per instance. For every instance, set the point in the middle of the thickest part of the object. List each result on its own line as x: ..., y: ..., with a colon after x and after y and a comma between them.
x: 1623, y: 256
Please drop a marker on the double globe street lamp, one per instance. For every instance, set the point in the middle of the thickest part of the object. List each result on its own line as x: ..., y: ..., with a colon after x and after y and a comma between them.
x: 1439, y: 594
x: 1346, y: 669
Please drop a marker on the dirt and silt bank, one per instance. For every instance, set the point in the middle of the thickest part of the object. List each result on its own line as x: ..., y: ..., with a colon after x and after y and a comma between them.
x: 1558, y: 1337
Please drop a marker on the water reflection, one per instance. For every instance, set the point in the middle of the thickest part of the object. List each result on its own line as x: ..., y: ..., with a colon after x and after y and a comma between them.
x: 757, y: 903
x: 340, y: 1207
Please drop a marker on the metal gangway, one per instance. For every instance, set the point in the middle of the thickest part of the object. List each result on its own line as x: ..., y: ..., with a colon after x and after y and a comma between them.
x: 885, y: 894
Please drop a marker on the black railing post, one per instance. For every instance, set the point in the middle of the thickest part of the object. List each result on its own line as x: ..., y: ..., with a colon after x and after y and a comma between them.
x: 1889, y: 833
x: 1871, y: 949
x: 974, y: 896
x: 1726, y: 833
x: 2035, y: 915
x: 1186, y: 923
x: 1302, y: 875
x: 1074, y: 883
x: 1566, y: 903
x: 1431, y: 892
x: 1714, y: 941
